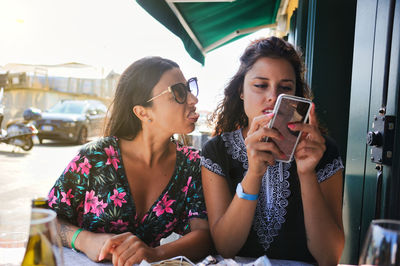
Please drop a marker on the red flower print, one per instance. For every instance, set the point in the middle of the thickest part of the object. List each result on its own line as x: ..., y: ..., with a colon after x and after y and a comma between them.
x: 90, y: 201
x: 72, y: 164
x: 119, y: 225
x: 112, y: 157
x: 186, y: 188
x: 118, y: 198
x: 66, y: 197
x: 84, y: 167
x: 52, y: 198
x: 163, y: 206
x: 99, y: 208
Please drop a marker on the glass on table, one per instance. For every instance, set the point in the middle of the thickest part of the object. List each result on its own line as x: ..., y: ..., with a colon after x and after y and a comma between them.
x: 382, y: 243
x: 14, y: 233
x: 44, y: 246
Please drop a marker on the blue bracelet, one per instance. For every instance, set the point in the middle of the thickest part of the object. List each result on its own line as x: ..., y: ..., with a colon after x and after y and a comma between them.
x: 242, y: 195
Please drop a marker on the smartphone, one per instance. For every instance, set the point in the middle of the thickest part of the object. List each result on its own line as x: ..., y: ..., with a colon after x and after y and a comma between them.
x: 289, y: 109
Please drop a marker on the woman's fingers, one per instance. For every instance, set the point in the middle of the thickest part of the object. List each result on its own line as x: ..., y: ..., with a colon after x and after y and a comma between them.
x: 309, y: 131
x: 269, y: 148
x: 128, y: 245
x: 112, y: 243
x: 313, y: 117
x: 263, y: 156
x: 260, y: 121
x: 262, y: 133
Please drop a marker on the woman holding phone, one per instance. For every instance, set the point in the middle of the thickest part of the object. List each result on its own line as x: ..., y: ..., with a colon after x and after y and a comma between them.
x: 126, y: 191
x: 257, y: 206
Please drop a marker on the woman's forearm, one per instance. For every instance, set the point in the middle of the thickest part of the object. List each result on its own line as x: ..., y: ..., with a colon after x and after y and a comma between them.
x: 87, y: 242
x: 231, y: 230
x: 325, y: 236
x: 194, y: 245
x: 66, y: 231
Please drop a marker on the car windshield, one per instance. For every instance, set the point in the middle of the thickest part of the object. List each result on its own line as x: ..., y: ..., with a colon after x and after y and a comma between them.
x: 68, y: 108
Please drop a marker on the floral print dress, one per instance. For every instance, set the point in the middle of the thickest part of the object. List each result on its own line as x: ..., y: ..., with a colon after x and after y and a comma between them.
x: 93, y: 193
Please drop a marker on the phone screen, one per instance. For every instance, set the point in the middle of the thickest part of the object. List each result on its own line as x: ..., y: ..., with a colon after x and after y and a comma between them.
x: 289, y: 109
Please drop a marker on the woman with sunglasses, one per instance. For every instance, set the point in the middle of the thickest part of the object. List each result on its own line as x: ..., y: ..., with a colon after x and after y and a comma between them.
x: 125, y: 192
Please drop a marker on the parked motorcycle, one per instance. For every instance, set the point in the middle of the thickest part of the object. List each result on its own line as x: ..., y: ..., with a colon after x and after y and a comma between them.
x: 19, y: 132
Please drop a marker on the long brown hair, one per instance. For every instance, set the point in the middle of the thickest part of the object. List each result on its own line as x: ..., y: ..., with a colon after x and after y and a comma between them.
x: 230, y: 114
x: 135, y: 87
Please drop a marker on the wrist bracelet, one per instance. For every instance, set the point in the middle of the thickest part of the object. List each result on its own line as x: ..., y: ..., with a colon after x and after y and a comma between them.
x: 74, y: 238
x: 242, y: 195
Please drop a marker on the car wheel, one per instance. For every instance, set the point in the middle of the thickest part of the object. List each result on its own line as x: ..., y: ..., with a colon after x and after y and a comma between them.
x: 82, y: 136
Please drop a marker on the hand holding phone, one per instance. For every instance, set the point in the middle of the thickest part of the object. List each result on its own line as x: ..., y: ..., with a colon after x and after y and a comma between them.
x: 289, y: 109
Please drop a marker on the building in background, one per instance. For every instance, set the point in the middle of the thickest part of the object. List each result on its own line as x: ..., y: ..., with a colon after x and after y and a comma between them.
x: 42, y: 86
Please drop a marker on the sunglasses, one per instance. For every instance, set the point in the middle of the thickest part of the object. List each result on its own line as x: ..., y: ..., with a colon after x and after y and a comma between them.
x: 180, y: 90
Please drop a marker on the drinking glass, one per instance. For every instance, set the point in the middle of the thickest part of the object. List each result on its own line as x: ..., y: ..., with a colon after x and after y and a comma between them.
x: 14, y: 232
x: 382, y: 243
x: 44, y: 246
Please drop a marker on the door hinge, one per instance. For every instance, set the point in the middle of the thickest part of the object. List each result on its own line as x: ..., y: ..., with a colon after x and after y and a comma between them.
x: 381, y: 139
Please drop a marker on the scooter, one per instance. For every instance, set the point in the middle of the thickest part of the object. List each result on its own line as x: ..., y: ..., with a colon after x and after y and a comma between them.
x: 19, y: 133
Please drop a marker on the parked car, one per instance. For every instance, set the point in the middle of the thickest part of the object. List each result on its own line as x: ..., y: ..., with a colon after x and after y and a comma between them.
x: 72, y: 120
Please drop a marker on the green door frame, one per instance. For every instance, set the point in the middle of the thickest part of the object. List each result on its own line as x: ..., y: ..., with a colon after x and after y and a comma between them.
x: 360, y: 191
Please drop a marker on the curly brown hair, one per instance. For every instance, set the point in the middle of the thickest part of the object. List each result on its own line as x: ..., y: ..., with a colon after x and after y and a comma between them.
x: 229, y: 114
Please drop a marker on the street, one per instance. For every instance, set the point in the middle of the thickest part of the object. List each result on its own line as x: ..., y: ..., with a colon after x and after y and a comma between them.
x: 24, y: 175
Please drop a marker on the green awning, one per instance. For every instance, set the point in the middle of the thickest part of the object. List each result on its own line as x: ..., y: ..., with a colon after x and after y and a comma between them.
x: 206, y: 25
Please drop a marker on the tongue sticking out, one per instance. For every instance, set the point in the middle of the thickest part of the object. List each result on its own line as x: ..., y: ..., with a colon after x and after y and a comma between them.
x: 193, y: 115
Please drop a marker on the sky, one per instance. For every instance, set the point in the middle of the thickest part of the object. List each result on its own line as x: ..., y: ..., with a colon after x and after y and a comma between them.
x: 109, y: 35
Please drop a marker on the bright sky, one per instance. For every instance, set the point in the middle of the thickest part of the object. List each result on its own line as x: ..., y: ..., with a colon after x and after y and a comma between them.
x: 106, y: 34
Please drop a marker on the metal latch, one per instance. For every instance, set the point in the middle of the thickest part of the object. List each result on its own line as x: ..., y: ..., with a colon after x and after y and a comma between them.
x: 381, y: 138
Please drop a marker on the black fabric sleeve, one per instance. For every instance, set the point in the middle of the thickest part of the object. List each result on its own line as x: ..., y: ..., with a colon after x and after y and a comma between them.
x: 330, y: 162
x: 213, y: 156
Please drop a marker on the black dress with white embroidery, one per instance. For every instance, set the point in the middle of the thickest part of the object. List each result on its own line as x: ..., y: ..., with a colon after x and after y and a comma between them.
x: 278, y: 229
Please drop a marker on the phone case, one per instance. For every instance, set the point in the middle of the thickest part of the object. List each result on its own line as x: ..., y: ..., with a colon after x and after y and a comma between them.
x: 289, y: 144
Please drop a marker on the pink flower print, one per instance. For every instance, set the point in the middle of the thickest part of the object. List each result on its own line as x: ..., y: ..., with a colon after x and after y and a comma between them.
x: 186, y: 188
x: 66, y: 197
x: 99, y: 208
x: 112, y: 157
x: 192, y: 213
x: 72, y: 164
x: 118, y: 198
x: 119, y: 225
x: 144, y: 217
x: 52, y: 198
x: 194, y: 155
x: 84, y: 167
x: 163, y: 206
x: 183, y: 148
x: 90, y: 201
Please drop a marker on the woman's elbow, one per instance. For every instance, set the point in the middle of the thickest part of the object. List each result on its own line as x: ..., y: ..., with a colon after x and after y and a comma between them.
x: 332, y: 257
